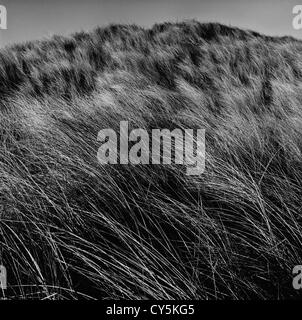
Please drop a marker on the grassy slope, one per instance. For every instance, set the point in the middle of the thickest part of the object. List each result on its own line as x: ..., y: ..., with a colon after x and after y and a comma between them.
x: 69, y: 225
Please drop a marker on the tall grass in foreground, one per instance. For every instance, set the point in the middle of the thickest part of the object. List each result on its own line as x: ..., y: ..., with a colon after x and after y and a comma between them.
x: 71, y: 228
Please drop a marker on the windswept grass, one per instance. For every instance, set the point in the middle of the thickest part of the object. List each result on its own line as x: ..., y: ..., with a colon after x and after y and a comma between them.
x: 71, y: 228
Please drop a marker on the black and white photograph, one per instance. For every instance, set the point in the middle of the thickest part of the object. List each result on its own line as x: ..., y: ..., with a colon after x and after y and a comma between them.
x: 150, y: 151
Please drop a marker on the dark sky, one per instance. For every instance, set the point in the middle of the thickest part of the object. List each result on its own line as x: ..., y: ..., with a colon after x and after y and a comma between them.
x: 35, y: 19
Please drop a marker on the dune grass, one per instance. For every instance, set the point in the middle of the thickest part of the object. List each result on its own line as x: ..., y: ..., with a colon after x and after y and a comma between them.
x: 71, y: 228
